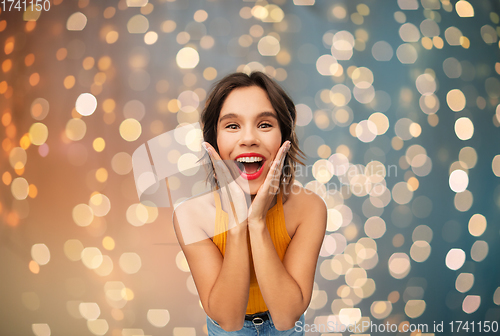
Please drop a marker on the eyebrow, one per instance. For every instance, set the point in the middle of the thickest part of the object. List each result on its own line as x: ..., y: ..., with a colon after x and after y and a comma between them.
x: 262, y: 114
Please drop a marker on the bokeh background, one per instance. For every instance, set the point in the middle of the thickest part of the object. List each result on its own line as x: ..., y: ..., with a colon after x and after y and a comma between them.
x: 398, y: 112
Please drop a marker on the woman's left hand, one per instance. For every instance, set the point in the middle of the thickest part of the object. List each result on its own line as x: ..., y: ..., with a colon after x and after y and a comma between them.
x: 264, y: 197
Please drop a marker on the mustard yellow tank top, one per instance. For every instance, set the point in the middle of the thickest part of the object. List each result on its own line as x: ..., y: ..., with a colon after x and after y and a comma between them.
x: 275, y: 222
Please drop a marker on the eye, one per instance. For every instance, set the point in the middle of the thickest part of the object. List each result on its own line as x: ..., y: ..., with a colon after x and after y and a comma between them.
x: 231, y: 126
x: 266, y: 124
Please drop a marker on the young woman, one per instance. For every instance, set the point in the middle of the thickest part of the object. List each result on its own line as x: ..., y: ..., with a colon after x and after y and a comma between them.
x: 254, y: 241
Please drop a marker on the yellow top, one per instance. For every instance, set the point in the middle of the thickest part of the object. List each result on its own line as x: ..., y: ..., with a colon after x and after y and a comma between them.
x: 275, y: 222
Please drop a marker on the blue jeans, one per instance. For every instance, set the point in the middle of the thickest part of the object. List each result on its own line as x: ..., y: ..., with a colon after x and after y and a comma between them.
x: 250, y: 329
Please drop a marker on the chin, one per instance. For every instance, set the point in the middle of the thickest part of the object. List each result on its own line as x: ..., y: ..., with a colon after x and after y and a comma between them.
x: 249, y: 187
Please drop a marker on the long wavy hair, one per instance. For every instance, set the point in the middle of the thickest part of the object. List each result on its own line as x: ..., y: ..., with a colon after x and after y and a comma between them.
x: 282, y: 104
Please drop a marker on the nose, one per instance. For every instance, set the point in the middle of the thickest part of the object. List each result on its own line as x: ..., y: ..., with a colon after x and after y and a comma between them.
x: 249, y: 137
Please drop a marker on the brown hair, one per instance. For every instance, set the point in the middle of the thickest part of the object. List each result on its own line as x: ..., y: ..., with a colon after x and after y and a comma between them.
x: 282, y: 104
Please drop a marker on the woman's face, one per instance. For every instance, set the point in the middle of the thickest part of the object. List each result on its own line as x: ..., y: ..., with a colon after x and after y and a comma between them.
x: 249, y: 135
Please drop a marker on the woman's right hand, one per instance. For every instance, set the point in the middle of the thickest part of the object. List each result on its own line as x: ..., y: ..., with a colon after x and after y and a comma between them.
x: 233, y: 198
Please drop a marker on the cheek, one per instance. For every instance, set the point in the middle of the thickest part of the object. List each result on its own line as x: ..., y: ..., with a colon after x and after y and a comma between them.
x: 223, y: 146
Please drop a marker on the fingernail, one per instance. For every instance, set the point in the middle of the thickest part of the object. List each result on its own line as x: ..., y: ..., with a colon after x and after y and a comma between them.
x: 288, y: 144
x: 204, y: 146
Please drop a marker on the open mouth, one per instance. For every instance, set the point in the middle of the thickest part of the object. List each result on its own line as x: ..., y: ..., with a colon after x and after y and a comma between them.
x: 250, y: 168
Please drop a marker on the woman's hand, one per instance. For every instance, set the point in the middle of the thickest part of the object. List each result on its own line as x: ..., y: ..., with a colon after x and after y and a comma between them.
x: 232, y: 196
x: 264, y: 197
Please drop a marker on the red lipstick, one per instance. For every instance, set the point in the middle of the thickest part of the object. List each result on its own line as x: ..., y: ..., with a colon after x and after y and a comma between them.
x: 255, y: 175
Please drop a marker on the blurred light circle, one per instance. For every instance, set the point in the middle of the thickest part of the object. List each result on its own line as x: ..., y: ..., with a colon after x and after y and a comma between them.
x: 429, y: 103
x: 464, y: 128
x: 75, y: 129
x: 340, y: 163
x: 381, y: 309
x: 420, y: 250
x: 407, y: 54
x: 18, y: 158
x: 187, y: 58
x: 91, y: 257
x: 130, y: 262
x: 459, y: 180
x: 134, y: 109
x: 82, y: 215
x: 187, y: 164
x: 464, y: 282
x: 464, y: 9
x: 479, y: 250
x: 452, y: 68
x: 426, y: 84
x: 381, y: 122
x: 382, y: 51
x: 268, y: 46
x: 429, y: 28
x: 38, y: 134
x: 130, y: 129
x: 366, y: 131
x: 137, y: 214
x: 189, y: 101
x: 41, y: 329
x: 401, y: 194
x: 98, y: 327
x: 340, y: 95
x: 455, y: 258
x: 77, y: 21
x: 463, y: 200
x: 39, y: 108
x: 414, y: 308
x: 334, y: 220
x: 453, y: 35
x: 399, y: 265
x: 151, y: 37
x: 138, y: 24
x: 471, y: 302
x: 86, y: 104
x: 327, y: 65
x: 73, y: 249
x: 489, y: 34
x: 477, y: 225
x: 19, y: 188
x: 355, y: 277
x: 121, y: 163
x: 422, y: 232
x: 362, y: 77
x: 89, y: 310
x: 100, y: 204
x: 40, y: 253
x: 158, y: 317
x: 495, y: 165
x: 456, y: 100
x: 375, y: 227
x: 364, y: 95
x: 304, y: 114
x: 409, y: 32
x: 322, y: 171
x: 468, y: 156
x: 193, y: 140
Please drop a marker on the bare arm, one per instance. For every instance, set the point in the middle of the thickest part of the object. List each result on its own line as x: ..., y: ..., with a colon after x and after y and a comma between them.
x: 287, y: 287
x: 222, y: 283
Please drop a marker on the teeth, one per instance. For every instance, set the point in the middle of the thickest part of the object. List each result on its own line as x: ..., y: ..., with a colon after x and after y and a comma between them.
x: 249, y: 159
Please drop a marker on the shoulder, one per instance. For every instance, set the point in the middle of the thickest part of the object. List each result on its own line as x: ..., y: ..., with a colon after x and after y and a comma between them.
x: 195, y: 205
x: 310, y: 207
x: 303, y: 198
x: 191, y: 218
